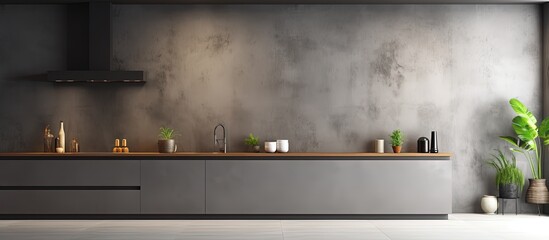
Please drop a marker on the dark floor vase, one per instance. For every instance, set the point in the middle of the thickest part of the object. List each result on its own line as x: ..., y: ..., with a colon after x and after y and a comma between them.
x: 508, y: 191
x: 537, y: 192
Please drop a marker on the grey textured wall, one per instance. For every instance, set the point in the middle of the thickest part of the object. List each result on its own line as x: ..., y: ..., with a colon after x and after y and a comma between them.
x: 545, y: 80
x: 328, y: 78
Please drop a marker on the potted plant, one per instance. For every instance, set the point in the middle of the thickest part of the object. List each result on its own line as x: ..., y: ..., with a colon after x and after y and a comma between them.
x: 397, y: 139
x: 509, y: 178
x: 529, y: 141
x: 253, y: 142
x: 166, y: 143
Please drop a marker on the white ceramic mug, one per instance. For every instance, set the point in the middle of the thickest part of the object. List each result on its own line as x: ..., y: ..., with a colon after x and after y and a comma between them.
x: 282, y: 146
x: 270, y: 147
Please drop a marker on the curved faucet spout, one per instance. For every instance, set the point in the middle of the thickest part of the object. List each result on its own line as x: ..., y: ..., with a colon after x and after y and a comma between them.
x: 220, y: 143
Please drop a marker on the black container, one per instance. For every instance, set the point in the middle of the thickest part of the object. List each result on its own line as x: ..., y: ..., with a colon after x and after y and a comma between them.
x: 508, y: 191
x: 434, y: 143
x: 423, y: 145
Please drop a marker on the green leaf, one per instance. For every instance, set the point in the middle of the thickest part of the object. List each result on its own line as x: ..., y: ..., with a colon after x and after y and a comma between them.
x: 524, y: 128
x: 528, y: 145
x: 512, y: 140
x: 516, y: 150
x: 544, y: 130
x: 518, y: 106
x: 522, y: 110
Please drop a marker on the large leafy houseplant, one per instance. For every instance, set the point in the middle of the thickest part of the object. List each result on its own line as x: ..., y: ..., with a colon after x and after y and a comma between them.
x: 530, y: 138
x: 507, y: 173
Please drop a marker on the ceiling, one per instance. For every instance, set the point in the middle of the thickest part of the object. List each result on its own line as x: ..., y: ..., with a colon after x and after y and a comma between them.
x: 279, y: 1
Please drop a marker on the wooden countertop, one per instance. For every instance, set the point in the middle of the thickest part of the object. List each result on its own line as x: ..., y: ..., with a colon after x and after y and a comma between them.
x: 248, y: 154
x: 217, y: 155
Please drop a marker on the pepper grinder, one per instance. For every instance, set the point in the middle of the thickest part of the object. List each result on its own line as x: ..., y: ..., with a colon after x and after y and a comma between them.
x: 434, y: 143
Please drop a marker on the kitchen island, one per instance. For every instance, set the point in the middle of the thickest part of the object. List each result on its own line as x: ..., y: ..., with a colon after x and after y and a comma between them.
x: 225, y: 185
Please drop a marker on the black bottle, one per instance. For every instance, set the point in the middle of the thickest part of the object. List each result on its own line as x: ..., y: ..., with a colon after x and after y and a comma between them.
x: 423, y: 145
x: 434, y: 144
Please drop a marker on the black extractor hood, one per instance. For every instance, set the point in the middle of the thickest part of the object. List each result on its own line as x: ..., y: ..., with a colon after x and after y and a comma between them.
x: 89, y: 47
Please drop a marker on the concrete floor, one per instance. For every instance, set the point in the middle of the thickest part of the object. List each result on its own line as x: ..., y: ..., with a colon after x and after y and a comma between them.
x: 459, y: 226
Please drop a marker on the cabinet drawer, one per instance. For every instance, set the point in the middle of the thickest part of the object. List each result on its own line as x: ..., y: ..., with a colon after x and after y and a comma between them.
x: 69, y: 202
x: 69, y: 173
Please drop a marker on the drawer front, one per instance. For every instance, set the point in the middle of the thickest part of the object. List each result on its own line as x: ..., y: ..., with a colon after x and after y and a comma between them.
x: 69, y: 202
x: 173, y: 187
x: 328, y: 187
x: 69, y: 173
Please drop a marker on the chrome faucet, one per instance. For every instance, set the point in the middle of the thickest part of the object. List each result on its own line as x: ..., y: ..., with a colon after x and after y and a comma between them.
x: 220, y: 142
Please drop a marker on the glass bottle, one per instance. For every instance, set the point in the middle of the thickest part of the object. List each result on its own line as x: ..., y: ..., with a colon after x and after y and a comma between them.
x: 75, y: 146
x: 62, y: 137
x: 49, y: 144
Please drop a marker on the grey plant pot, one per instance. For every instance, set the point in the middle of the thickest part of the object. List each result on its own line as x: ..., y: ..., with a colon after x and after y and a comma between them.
x: 508, y: 191
x: 167, y: 146
x: 254, y: 149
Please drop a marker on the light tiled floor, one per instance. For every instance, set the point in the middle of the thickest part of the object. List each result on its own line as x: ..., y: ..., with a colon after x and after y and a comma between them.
x: 459, y: 226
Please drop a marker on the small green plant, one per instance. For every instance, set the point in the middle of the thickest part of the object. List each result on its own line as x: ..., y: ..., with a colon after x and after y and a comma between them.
x: 507, y: 171
x: 397, y: 138
x: 251, y: 140
x: 166, y: 133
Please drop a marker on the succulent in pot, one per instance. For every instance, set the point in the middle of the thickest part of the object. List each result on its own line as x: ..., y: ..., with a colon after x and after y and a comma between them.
x: 166, y: 143
x: 397, y: 139
x: 509, y: 178
x: 253, y: 142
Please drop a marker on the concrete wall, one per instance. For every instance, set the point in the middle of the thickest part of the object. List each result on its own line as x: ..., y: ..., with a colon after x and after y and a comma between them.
x: 328, y: 78
x: 545, y: 80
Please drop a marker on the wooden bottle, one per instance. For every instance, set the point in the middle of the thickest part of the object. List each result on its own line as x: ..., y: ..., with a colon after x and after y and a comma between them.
x: 124, y: 147
x: 117, y: 148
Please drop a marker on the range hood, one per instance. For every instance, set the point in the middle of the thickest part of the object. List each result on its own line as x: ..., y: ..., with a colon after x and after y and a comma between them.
x: 89, y: 47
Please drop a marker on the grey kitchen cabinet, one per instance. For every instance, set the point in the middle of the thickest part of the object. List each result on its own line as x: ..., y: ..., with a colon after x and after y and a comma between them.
x: 221, y: 184
x: 172, y: 187
x: 69, y: 187
x: 328, y: 187
x: 69, y: 202
x: 69, y: 173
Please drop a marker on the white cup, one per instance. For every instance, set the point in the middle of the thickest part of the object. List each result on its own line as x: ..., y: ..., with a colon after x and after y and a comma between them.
x: 379, y: 145
x: 270, y: 147
x: 282, y: 146
x: 59, y: 150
